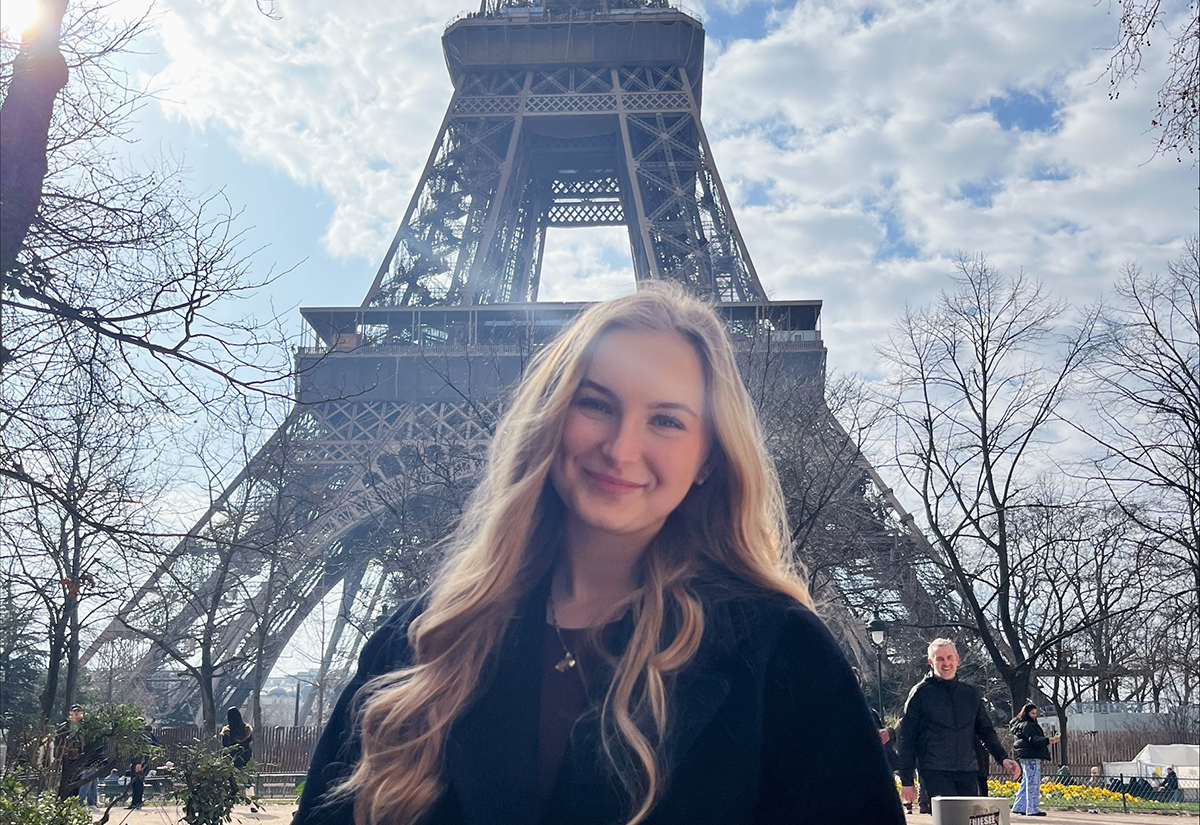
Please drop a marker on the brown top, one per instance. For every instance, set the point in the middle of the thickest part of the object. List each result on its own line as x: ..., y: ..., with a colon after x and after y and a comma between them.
x: 564, y: 699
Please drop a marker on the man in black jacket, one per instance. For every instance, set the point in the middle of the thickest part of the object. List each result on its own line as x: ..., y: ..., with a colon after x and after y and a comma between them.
x: 943, y: 719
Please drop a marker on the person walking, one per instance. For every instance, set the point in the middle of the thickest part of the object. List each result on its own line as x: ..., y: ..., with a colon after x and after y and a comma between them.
x: 943, y: 719
x: 1030, y: 746
x: 81, y: 754
x: 984, y: 764
x: 617, y: 634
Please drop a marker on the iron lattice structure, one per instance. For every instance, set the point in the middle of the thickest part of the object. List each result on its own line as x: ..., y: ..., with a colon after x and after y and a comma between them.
x: 565, y: 113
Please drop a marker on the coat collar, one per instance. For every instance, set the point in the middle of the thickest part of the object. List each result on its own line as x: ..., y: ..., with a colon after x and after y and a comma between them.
x: 491, y: 754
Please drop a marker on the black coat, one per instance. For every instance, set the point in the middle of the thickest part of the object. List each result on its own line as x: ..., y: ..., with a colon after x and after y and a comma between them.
x: 244, y: 747
x: 943, y: 719
x: 768, y: 728
x: 1029, y: 741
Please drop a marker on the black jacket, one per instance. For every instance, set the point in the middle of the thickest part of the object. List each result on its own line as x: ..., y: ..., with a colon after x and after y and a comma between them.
x: 943, y: 718
x: 768, y: 728
x: 1029, y: 741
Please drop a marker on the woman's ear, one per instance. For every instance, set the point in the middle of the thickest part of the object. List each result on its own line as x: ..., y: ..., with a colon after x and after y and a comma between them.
x: 703, y: 474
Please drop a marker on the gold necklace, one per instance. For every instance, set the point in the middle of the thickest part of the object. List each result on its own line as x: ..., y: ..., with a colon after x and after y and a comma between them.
x: 568, y: 661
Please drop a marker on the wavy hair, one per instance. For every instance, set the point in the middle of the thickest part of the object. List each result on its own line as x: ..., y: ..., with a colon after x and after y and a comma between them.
x: 505, y: 544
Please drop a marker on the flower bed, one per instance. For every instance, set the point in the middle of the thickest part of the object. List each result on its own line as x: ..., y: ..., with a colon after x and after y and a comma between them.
x: 1057, y: 795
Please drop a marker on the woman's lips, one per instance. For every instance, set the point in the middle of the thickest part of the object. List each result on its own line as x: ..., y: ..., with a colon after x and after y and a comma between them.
x: 611, y: 485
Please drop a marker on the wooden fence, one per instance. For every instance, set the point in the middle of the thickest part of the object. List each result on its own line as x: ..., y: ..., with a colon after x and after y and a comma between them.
x: 1086, y: 749
x: 275, y: 749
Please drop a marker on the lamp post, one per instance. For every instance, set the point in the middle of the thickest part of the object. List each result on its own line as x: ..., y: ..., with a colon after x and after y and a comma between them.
x: 877, y: 632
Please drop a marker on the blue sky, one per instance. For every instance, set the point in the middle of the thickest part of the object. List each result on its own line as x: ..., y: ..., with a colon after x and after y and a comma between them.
x: 864, y: 144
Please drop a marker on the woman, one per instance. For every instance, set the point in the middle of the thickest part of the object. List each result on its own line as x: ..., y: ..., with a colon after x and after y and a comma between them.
x: 1030, y: 746
x: 238, y: 735
x: 616, y: 634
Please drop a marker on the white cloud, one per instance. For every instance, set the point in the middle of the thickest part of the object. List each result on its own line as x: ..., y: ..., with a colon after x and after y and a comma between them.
x: 592, y: 264
x: 849, y: 137
x: 850, y: 122
x: 346, y: 97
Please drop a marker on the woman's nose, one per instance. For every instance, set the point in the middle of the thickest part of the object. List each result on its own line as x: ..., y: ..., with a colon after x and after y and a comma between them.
x: 625, y: 442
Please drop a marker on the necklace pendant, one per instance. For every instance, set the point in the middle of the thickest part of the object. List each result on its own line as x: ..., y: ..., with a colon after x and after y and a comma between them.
x: 565, y: 663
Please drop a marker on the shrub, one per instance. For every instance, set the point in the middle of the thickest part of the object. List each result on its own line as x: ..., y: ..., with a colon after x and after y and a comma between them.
x: 208, y: 784
x: 21, y: 806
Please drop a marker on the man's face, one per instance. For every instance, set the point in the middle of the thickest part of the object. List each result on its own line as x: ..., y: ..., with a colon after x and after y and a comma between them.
x: 944, y: 662
x: 75, y: 716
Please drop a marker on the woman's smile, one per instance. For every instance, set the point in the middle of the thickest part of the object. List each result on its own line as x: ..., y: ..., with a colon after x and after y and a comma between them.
x: 635, y: 438
x: 609, y: 484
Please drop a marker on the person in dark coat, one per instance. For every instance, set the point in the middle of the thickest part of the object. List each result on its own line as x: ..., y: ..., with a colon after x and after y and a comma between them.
x: 887, y: 738
x: 1031, y: 746
x: 137, y: 782
x: 614, y: 635
x: 983, y: 762
x: 239, y: 736
x: 1169, y: 791
x: 943, y: 719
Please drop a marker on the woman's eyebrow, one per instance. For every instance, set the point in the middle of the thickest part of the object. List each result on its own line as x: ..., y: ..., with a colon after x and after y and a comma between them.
x: 589, y: 384
x: 674, y: 405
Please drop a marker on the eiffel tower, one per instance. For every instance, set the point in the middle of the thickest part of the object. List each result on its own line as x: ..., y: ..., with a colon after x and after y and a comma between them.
x: 565, y: 113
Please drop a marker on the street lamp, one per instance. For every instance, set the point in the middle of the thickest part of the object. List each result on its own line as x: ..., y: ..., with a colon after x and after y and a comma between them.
x: 877, y: 631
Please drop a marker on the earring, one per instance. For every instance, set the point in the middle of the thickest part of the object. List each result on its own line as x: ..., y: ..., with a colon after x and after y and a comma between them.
x: 703, y: 478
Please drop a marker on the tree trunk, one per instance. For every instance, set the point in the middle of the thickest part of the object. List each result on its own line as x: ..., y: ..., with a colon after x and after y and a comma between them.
x: 39, y: 74
x: 1019, y: 680
x: 1063, y: 755
x: 208, y: 704
x: 58, y: 635
x: 71, y: 687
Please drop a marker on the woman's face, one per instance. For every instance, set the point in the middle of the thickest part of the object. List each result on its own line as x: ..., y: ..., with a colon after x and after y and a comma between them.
x: 634, y: 440
x: 1033, y: 713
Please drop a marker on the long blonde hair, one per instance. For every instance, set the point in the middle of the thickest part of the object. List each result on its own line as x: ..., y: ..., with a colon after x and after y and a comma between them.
x: 505, y: 543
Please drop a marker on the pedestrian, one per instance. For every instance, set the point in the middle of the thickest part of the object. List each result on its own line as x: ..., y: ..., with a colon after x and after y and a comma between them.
x: 887, y: 735
x: 943, y: 718
x: 887, y: 738
x: 137, y: 782
x: 239, y: 737
x: 983, y: 766
x: 79, y: 753
x: 1031, y: 746
x: 1064, y: 774
x: 616, y: 634
x: 1169, y: 789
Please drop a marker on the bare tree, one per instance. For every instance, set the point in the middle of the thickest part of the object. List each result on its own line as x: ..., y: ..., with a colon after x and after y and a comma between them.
x: 58, y: 553
x: 116, y: 271
x: 977, y: 380
x: 1081, y: 592
x: 1141, y: 23
x: 39, y: 73
x: 1145, y: 382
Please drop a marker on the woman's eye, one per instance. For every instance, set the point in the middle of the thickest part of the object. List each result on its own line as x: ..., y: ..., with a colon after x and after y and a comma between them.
x: 667, y: 421
x: 592, y: 404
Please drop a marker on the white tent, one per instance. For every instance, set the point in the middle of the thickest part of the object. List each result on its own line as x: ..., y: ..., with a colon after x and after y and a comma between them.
x: 1170, y: 755
x: 1154, y: 760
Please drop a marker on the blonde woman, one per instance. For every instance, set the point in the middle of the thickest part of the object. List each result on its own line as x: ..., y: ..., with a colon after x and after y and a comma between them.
x: 617, y: 635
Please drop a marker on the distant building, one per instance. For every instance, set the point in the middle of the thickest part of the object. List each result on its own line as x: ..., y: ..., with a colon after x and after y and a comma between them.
x: 1084, y: 717
x: 278, y: 699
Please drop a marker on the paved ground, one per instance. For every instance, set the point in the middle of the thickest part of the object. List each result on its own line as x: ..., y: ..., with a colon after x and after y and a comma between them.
x: 271, y: 814
x: 1075, y: 817
x: 281, y: 814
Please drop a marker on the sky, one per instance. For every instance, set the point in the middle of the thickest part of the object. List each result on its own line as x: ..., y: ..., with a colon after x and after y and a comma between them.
x: 864, y: 143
